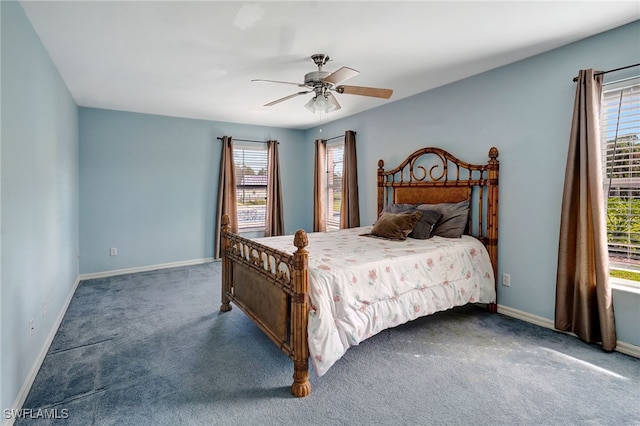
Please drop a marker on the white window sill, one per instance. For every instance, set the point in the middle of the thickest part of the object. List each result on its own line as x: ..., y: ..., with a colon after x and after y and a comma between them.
x: 254, y: 232
x: 627, y: 286
x: 251, y: 229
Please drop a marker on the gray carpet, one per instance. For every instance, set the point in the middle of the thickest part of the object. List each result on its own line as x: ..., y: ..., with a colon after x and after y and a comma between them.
x: 152, y: 349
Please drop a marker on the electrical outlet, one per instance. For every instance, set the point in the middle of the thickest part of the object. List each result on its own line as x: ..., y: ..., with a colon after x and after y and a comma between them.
x: 506, y: 280
x: 114, y: 251
x: 31, y: 327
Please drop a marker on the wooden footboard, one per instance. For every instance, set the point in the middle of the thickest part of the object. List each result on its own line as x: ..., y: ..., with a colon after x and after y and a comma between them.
x: 271, y: 287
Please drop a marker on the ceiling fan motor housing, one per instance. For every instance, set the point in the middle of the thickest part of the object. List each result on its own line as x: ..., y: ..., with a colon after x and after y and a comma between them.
x: 315, y: 77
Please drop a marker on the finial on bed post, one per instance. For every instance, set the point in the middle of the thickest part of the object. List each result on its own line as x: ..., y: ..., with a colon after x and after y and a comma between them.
x: 381, y: 188
x: 493, y: 154
x: 492, y: 217
x: 226, y: 263
x: 300, y: 317
x: 225, y: 224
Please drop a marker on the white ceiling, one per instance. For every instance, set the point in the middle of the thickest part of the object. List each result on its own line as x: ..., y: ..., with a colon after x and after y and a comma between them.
x: 197, y: 59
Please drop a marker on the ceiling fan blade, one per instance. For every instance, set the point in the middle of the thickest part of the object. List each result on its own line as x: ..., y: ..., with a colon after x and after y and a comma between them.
x: 365, y: 91
x: 333, y: 101
x: 259, y: 80
x: 277, y: 101
x: 342, y: 74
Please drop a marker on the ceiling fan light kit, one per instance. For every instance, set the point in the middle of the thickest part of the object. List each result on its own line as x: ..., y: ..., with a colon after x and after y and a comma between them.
x: 322, y: 103
x: 322, y: 83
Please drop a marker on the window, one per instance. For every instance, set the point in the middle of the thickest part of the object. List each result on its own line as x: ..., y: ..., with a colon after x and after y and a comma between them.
x: 335, y: 160
x: 620, y: 138
x: 250, y: 163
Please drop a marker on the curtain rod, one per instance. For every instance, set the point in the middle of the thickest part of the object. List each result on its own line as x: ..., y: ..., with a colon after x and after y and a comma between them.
x: 245, y: 140
x: 336, y: 137
x: 606, y: 72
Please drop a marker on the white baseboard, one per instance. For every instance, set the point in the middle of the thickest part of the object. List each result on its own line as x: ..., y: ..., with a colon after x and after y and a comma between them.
x: 144, y: 268
x: 26, y: 386
x: 622, y: 347
x: 525, y: 316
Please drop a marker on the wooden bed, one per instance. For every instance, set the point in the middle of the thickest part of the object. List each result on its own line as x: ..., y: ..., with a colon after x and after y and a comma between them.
x: 272, y: 286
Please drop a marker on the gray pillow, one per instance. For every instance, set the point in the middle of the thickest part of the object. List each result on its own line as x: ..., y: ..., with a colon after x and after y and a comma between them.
x: 399, y: 208
x: 454, y: 218
x: 425, y: 226
x: 395, y: 226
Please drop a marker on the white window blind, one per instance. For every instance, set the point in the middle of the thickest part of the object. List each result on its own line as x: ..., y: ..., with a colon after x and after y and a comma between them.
x: 335, y: 161
x: 251, y: 184
x: 620, y: 138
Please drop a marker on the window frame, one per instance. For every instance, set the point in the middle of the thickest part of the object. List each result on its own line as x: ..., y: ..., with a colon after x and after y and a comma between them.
x: 332, y: 218
x: 605, y: 137
x: 240, y: 149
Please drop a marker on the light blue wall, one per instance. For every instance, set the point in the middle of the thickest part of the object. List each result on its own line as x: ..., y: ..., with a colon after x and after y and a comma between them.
x: 148, y: 186
x: 525, y: 110
x: 39, y: 192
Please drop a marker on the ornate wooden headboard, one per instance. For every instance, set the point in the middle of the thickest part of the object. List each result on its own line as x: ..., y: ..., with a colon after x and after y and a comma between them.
x: 432, y: 175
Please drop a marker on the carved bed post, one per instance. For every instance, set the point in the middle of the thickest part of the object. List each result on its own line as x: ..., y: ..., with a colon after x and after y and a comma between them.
x: 226, y: 265
x: 381, y: 187
x: 300, y: 317
x: 492, y: 217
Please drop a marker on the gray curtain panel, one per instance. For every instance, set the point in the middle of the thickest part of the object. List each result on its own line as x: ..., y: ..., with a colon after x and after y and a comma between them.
x: 274, y: 221
x: 350, y: 207
x: 227, y: 203
x: 584, y: 303
x: 319, y: 176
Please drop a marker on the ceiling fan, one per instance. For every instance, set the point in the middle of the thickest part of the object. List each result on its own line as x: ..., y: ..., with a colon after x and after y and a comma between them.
x: 322, y: 83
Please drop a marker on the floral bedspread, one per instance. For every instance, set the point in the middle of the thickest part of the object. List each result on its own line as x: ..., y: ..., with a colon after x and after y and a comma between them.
x: 361, y: 285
